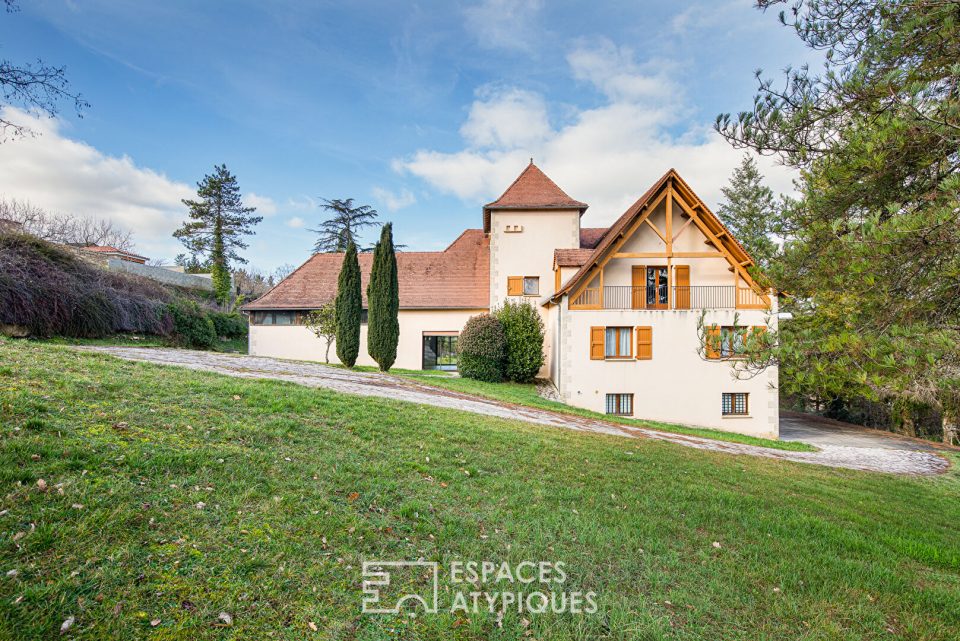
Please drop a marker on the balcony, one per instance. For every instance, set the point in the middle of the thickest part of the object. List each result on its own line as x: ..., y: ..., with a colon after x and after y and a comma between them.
x: 664, y: 297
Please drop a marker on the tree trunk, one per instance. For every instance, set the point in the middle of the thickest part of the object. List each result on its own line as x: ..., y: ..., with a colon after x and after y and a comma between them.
x: 951, y: 431
x: 327, y: 355
x: 907, y: 424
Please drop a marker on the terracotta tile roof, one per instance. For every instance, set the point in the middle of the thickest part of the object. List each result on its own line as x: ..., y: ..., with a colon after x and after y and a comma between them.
x: 456, y: 278
x: 107, y: 249
x: 590, y: 236
x: 532, y: 190
x: 571, y: 257
x: 628, y: 216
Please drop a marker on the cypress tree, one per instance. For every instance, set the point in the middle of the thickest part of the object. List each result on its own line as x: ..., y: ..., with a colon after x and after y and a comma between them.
x: 348, y: 307
x: 383, y: 298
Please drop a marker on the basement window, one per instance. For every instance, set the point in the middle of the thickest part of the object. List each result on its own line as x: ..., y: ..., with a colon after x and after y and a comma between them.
x: 735, y: 404
x: 620, y: 404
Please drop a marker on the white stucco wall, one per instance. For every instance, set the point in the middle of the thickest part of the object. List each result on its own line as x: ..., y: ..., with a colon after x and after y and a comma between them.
x: 676, y: 385
x: 298, y: 343
x: 530, y: 253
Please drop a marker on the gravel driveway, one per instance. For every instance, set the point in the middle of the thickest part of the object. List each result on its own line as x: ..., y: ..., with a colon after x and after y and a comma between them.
x: 871, y: 458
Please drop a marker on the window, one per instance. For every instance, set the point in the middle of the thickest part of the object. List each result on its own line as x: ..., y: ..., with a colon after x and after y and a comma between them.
x: 735, y: 404
x: 619, y: 342
x: 731, y: 341
x: 440, y: 351
x: 523, y: 285
x: 531, y: 285
x: 289, y: 318
x: 620, y: 404
x: 657, y: 287
x: 275, y: 318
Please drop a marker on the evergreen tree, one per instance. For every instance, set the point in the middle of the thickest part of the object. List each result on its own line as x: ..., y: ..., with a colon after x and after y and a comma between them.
x: 750, y: 211
x: 349, y: 304
x: 873, y: 246
x: 342, y: 228
x: 383, y: 299
x: 218, y: 220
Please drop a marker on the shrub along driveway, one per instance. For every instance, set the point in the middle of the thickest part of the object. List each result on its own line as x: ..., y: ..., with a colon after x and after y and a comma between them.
x: 874, y: 458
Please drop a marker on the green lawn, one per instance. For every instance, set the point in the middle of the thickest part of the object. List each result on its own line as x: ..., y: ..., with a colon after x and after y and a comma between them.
x: 173, y: 496
x: 526, y: 394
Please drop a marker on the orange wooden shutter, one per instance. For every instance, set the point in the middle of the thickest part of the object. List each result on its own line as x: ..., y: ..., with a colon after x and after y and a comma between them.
x: 682, y: 283
x: 644, y: 343
x: 713, y: 342
x: 596, y: 343
x: 514, y: 285
x: 638, y: 278
x: 757, y: 341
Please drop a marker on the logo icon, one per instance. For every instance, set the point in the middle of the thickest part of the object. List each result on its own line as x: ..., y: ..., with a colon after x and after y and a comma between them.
x: 390, y: 585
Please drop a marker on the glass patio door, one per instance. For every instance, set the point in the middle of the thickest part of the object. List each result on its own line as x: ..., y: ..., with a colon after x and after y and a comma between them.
x: 657, y: 288
x: 439, y: 351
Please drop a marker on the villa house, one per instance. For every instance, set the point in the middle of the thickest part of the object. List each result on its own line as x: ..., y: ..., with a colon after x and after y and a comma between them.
x: 620, y: 304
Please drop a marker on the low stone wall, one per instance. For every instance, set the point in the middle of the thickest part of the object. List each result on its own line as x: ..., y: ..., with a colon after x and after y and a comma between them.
x: 162, y: 275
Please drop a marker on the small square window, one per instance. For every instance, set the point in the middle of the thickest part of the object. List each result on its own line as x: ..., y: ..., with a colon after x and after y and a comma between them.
x: 531, y: 285
x: 620, y: 404
x: 735, y: 404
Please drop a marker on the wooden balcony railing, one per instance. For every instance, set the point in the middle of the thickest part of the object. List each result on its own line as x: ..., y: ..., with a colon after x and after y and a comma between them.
x: 664, y: 297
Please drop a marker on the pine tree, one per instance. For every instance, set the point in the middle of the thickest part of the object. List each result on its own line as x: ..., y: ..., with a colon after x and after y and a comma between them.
x: 342, y: 228
x: 873, y: 246
x: 218, y: 221
x: 348, y: 307
x: 750, y: 211
x: 383, y: 299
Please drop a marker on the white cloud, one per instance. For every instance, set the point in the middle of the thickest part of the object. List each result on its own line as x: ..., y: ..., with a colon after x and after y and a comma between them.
x: 264, y: 204
x: 67, y: 176
x: 615, y: 73
x: 503, y: 24
x: 296, y: 222
x: 394, y: 200
x: 506, y: 118
x: 606, y: 156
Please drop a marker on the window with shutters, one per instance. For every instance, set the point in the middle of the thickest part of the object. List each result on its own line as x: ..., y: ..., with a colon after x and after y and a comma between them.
x: 732, y: 341
x: 531, y: 285
x: 735, y: 404
x: 523, y: 285
x: 620, y: 404
x: 619, y: 342
x: 644, y: 343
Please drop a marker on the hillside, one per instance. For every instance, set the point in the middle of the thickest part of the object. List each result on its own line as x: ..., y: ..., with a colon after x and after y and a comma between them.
x: 163, y: 508
x: 47, y: 291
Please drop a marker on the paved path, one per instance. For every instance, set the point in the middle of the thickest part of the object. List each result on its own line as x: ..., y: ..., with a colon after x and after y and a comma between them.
x: 824, y: 431
x: 369, y: 384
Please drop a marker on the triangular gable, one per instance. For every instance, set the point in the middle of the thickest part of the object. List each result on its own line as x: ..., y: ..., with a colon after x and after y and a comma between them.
x: 670, y: 184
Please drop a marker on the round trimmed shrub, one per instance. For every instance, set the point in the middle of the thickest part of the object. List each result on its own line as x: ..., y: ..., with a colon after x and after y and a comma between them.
x: 482, y: 349
x: 523, y: 329
x: 192, y: 326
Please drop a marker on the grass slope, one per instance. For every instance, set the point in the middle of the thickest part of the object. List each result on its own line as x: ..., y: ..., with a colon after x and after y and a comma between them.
x: 185, y: 494
x: 526, y: 394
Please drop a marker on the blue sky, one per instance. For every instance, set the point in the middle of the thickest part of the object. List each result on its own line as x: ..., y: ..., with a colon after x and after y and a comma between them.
x: 423, y: 110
